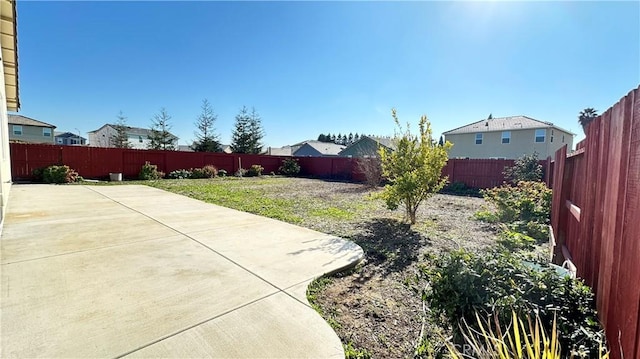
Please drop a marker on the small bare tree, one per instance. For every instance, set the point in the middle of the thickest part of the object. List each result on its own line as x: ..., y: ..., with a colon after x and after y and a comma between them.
x: 371, y: 168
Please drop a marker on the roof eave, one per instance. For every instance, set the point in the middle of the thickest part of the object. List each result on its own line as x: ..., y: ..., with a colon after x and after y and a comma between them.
x: 10, y: 53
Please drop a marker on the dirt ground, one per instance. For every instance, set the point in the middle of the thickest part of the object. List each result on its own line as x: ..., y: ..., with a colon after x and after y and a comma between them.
x: 377, y: 306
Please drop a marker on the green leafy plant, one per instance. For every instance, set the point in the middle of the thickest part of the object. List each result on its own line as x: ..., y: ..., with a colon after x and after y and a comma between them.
x: 463, y: 283
x: 514, y: 241
x: 290, y: 167
x: 351, y: 352
x: 255, y: 170
x: 208, y: 171
x: 222, y: 173
x: 525, y: 208
x: 38, y: 174
x: 413, y: 169
x: 241, y: 172
x: 525, y: 168
x: 460, y: 189
x: 59, y: 174
x: 179, y: 174
x: 150, y: 172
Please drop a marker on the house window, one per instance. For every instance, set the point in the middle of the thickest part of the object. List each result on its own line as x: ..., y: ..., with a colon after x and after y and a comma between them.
x: 46, y: 132
x: 17, y: 130
x: 562, y: 138
x: 59, y: 141
x: 540, y: 135
x: 506, y: 136
x: 478, y: 138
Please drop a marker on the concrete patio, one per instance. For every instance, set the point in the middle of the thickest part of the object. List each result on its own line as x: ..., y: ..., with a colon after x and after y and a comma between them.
x: 133, y: 271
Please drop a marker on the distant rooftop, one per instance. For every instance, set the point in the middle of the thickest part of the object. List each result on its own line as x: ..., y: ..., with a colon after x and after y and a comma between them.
x: 503, y: 124
x: 27, y: 121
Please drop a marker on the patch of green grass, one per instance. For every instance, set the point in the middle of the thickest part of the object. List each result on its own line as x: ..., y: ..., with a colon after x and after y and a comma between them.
x: 314, y: 289
x: 234, y: 193
x: 332, y: 213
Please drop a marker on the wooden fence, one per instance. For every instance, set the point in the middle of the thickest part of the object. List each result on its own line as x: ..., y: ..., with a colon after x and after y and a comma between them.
x: 596, y: 219
x: 95, y: 162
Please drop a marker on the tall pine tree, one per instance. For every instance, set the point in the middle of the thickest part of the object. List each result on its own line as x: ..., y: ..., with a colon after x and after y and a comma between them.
x: 206, y: 138
x: 247, y: 133
x: 120, y: 139
x: 160, y: 137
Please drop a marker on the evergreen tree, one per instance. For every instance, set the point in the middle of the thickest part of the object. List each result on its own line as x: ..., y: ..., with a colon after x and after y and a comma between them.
x: 333, y: 138
x: 256, y: 130
x: 322, y: 138
x: 441, y: 142
x: 490, y: 117
x: 339, y: 139
x: 206, y: 139
x: 350, y: 138
x: 248, y: 133
x: 160, y: 137
x: 356, y: 137
x: 120, y: 139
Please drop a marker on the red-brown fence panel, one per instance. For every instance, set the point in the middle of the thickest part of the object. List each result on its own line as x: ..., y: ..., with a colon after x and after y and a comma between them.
x: 602, y: 230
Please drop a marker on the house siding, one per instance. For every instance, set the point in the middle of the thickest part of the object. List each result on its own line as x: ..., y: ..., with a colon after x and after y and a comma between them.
x: 522, y: 142
x: 32, y: 134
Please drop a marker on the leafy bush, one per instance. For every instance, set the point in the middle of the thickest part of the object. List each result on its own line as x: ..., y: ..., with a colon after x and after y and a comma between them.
x: 351, y: 352
x: 38, y: 173
x: 255, y: 170
x: 463, y: 283
x: 208, y: 171
x: 514, y: 241
x: 150, y: 172
x: 460, y: 189
x: 290, y: 167
x: 58, y: 174
x: 524, y: 208
x: 525, y: 168
x: 241, y: 172
x: 180, y: 174
x: 222, y: 173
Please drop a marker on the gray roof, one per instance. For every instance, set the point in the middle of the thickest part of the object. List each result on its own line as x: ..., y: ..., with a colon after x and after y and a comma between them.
x: 503, y: 124
x: 387, y: 142
x: 136, y: 131
x: 325, y: 148
x: 26, y: 121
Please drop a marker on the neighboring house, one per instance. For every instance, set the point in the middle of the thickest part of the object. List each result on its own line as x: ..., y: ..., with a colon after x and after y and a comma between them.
x: 367, y: 146
x: 27, y: 130
x: 318, y: 149
x: 508, y: 138
x: 185, y: 148
x: 138, y: 137
x: 279, y: 151
x: 9, y: 94
x: 226, y: 148
x: 68, y: 138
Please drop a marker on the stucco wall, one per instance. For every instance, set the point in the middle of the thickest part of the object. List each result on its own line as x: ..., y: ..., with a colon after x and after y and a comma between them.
x: 5, y: 160
x: 522, y: 142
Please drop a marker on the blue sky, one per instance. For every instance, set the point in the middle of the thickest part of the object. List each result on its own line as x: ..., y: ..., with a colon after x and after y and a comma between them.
x: 318, y: 67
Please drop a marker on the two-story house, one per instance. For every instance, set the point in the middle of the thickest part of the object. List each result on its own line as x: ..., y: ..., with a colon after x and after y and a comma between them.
x: 28, y: 130
x: 508, y: 138
x: 138, y: 137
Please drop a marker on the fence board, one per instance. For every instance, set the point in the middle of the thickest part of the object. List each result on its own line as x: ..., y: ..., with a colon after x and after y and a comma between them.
x: 604, y: 181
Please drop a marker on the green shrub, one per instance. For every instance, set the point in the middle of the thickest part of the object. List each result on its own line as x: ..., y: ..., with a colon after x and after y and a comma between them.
x: 351, y: 352
x: 241, y: 172
x: 150, y: 172
x: 180, y: 174
x: 460, y: 189
x: 525, y: 208
x: 208, y: 171
x: 222, y: 173
x: 59, y: 174
x: 463, y: 283
x: 525, y: 168
x: 290, y: 167
x: 514, y: 241
x: 38, y: 174
x: 255, y: 170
